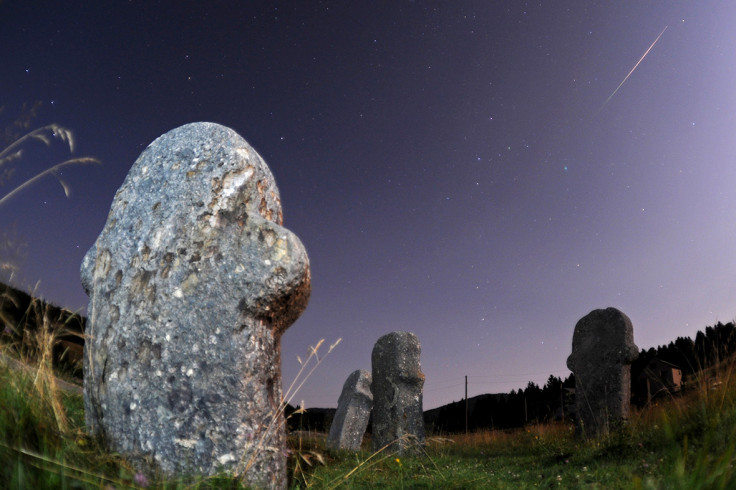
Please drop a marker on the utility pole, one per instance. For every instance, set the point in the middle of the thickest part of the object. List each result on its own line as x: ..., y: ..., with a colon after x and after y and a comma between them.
x: 466, y: 404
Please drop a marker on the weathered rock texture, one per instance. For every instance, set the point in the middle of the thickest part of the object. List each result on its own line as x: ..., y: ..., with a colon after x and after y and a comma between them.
x: 602, y: 352
x: 192, y: 282
x: 398, y: 420
x: 353, y: 411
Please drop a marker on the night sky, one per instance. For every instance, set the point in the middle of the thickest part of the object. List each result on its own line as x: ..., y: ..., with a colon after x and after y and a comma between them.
x: 457, y: 169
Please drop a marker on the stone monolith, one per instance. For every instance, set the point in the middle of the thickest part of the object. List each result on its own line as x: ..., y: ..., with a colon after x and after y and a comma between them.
x: 353, y: 411
x: 602, y: 352
x: 398, y: 419
x: 192, y: 282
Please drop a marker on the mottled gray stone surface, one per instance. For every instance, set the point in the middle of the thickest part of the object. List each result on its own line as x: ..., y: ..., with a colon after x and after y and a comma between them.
x: 353, y: 411
x: 602, y: 352
x: 192, y: 282
x: 398, y: 418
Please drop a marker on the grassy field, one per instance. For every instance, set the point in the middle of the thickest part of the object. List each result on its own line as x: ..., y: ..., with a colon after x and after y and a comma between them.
x: 686, y: 442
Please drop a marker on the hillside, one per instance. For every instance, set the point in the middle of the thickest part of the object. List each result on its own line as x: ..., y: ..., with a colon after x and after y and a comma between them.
x: 21, y: 314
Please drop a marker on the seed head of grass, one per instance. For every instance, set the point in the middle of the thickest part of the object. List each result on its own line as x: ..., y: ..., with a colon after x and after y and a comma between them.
x: 46, y: 135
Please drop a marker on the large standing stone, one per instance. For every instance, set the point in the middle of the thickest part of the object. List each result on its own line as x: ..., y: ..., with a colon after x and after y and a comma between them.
x: 602, y: 352
x: 398, y: 419
x: 192, y: 282
x: 353, y: 411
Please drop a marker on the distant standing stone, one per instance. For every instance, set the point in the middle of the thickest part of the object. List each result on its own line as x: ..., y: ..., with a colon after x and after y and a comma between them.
x: 398, y: 418
x: 602, y: 352
x: 192, y: 282
x: 353, y: 411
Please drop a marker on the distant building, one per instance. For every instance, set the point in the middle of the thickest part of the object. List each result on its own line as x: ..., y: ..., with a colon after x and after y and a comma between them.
x: 658, y: 377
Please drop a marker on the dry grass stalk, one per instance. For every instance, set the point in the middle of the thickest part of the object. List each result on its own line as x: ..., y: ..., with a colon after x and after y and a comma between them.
x: 44, y: 340
x: 277, y: 420
x: 39, y: 333
x: 382, y: 454
x: 45, y: 134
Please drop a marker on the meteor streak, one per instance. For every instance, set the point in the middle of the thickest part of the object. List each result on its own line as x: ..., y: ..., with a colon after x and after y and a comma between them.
x: 632, y: 70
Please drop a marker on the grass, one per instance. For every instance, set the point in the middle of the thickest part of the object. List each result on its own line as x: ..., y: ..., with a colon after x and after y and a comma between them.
x: 678, y: 442
x: 685, y: 442
x: 43, y: 443
x: 13, y: 153
x: 46, y: 134
x: 15, y: 139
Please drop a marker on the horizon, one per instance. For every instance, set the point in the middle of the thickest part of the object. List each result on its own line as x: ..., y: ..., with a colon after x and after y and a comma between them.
x: 505, y: 393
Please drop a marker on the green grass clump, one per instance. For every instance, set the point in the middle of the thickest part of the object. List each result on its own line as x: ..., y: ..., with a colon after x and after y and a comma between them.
x: 40, y: 449
x: 37, y: 451
x: 687, y: 442
x: 683, y: 442
x: 43, y: 443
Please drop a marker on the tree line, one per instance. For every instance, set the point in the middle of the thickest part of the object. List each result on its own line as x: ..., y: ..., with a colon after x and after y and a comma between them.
x: 555, y: 400
x: 20, y: 316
